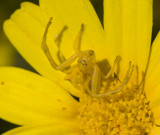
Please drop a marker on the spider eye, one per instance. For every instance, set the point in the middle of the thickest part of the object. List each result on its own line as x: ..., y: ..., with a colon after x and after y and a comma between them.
x: 91, y: 52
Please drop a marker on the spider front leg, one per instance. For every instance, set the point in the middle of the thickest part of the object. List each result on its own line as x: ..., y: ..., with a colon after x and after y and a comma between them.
x: 48, y: 54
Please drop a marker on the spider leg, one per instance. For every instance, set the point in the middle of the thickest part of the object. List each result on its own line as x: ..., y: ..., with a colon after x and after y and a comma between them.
x: 113, y: 67
x: 95, y: 82
x: 87, y: 84
x: 48, y: 54
x: 119, y: 88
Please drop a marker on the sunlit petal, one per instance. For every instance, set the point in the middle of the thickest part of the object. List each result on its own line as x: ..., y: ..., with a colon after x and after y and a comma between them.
x: 128, y: 28
x: 152, y: 83
x: 29, y: 26
x: 27, y: 98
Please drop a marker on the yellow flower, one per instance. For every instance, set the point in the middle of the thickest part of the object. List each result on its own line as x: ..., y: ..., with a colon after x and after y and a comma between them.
x: 43, y: 104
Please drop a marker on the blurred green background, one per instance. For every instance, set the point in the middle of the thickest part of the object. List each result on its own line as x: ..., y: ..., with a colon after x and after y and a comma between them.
x: 10, y: 57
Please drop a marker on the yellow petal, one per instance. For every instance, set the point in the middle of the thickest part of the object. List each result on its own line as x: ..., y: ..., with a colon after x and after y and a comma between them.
x: 152, y: 83
x: 128, y: 25
x: 153, y: 72
x: 73, y: 13
x: 26, y: 98
x: 25, y: 29
x: 50, y: 129
x: 155, y: 131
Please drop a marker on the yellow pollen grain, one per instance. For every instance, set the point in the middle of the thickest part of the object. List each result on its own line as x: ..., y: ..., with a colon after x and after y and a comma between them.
x: 124, y: 113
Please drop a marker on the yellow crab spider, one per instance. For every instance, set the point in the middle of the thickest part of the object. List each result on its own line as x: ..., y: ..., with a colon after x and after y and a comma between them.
x: 86, y: 65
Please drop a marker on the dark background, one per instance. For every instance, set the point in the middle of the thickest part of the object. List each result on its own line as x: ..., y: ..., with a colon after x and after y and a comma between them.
x: 11, y: 56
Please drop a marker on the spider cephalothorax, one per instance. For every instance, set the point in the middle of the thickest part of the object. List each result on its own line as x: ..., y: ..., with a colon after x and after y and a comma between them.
x: 86, y: 61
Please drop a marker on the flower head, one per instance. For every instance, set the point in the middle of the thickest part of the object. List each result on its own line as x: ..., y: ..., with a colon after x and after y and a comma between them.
x: 117, y: 86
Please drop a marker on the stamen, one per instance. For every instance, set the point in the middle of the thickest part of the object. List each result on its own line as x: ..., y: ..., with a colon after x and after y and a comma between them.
x: 45, y: 47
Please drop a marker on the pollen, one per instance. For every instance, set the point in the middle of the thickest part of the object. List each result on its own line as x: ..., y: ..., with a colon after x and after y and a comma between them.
x: 124, y: 113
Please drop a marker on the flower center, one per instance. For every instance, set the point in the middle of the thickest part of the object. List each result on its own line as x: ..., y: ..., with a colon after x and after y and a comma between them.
x: 124, y: 113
